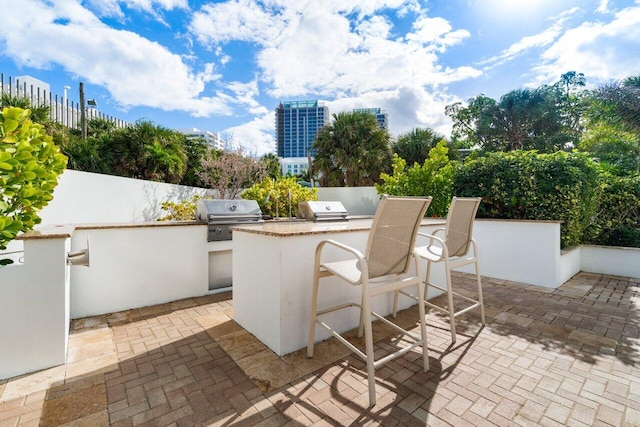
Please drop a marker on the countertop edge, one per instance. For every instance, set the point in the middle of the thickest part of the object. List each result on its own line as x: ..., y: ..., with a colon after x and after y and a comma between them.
x: 306, y: 228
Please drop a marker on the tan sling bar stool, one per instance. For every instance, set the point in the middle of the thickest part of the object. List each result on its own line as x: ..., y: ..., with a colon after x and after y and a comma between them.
x: 455, y: 248
x: 385, y: 267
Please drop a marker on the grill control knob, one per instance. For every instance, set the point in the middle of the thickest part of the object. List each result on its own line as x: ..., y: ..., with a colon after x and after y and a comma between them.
x: 218, y: 230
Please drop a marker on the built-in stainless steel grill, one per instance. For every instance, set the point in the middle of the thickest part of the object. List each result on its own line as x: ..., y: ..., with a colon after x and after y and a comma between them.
x: 322, y: 211
x: 221, y: 214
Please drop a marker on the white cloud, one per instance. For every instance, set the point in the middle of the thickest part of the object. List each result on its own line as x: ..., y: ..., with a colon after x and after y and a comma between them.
x: 525, y: 44
x: 112, y: 8
x: 255, y: 137
x: 408, y: 107
x: 603, y: 7
x: 319, y: 51
x: 601, y: 50
x: 106, y: 8
x: 293, y: 35
x: 135, y: 70
x: 241, y: 20
x: 436, y: 32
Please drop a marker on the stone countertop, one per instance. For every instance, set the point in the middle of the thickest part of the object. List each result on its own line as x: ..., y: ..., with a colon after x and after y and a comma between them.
x: 64, y: 231
x: 138, y: 224
x: 48, y: 232
x: 286, y: 228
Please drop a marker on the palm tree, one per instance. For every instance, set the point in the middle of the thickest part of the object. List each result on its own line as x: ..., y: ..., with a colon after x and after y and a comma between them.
x: 274, y: 168
x: 613, y: 126
x: 414, y: 146
x: 352, y: 151
x: 148, y: 151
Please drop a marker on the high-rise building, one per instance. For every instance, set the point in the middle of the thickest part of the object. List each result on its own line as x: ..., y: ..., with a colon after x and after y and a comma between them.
x: 213, y: 140
x: 381, y: 117
x: 297, y: 123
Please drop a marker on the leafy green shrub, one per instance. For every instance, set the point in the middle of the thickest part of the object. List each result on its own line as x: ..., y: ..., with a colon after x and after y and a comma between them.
x: 526, y: 185
x: 623, y: 236
x: 434, y: 178
x: 276, y: 197
x: 181, y: 211
x: 30, y: 164
x: 618, y: 213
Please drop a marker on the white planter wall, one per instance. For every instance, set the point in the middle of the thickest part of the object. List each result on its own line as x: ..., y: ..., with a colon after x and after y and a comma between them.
x: 616, y: 261
x: 520, y: 251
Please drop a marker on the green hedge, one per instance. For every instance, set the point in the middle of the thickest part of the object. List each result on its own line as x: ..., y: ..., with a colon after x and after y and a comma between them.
x: 617, y: 220
x: 527, y: 185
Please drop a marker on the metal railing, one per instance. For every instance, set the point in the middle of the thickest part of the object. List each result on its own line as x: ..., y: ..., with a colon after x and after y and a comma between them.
x: 61, y: 110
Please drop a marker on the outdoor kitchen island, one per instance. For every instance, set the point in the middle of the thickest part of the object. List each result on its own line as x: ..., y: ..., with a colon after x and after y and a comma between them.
x: 273, y: 272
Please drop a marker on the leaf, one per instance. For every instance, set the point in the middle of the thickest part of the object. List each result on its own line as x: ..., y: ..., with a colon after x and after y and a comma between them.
x: 10, y: 138
x: 5, y: 166
x: 10, y: 125
x: 29, y: 175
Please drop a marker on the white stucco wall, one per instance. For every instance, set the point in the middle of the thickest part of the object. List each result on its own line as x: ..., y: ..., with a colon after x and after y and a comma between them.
x: 137, y: 267
x: 356, y: 200
x: 617, y: 261
x: 34, y: 309
x: 520, y: 251
x: 90, y: 198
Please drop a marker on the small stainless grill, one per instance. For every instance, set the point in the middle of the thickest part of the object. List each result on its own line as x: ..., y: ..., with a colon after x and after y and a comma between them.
x: 322, y: 211
x: 221, y: 214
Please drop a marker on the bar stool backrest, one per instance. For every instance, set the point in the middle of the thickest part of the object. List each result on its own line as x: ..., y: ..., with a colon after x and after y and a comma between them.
x: 459, y: 228
x: 393, y: 234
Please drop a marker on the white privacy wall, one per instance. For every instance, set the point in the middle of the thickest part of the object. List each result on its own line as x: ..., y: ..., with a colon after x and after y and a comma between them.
x: 90, y: 198
x: 356, y: 200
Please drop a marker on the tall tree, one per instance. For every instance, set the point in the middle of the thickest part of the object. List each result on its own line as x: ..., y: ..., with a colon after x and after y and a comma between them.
x: 613, y: 126
x: 546, y: 118
x: 573, y: 101
x: 624, y: 99
x: 352, y: 151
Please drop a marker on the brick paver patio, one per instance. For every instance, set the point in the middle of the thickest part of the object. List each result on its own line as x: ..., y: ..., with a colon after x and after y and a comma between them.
x: 552, y: 358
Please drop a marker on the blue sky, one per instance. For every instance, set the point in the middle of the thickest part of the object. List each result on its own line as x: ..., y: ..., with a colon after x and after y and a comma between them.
x: 224, y: 66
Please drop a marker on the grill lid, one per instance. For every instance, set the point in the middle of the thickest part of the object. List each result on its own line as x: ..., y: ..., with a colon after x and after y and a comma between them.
x: 226, y: 210
x: 322, y: 211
